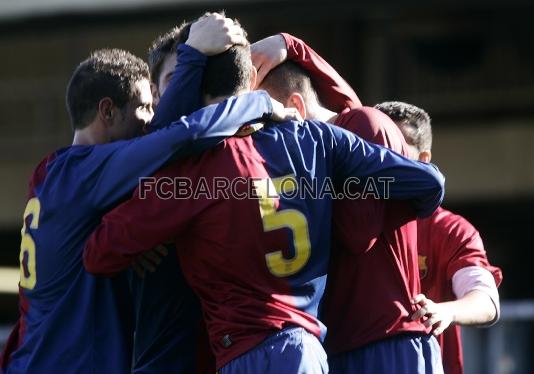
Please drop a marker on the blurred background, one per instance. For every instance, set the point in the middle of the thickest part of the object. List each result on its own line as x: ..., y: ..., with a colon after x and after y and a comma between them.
x: 470, y: 64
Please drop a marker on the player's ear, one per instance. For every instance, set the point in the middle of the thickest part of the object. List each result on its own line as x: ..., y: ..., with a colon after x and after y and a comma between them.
x: 106, y: 110
x: 155, y: 94
x: 296, y: 100
x: 425, y: 156
x: 253, y: 78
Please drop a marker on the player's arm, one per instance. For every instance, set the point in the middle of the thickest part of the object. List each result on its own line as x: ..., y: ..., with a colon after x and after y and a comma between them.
x: 334, y: 92
x: 119, y: 165
x: 182, y: 97
x: 469, y: 270
x: 474, y: 281
x: 396, y: 177
x: 138, y: 225
x: 208, y: 36
x: 474, y: 308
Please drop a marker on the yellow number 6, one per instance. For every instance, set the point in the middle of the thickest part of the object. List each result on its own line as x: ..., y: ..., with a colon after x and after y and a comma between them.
x: 28, y: 276
x: 294, y: 220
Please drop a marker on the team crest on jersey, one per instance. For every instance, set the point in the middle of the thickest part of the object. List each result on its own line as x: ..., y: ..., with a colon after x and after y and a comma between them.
x: 423, y: 269
x: 246, y: 130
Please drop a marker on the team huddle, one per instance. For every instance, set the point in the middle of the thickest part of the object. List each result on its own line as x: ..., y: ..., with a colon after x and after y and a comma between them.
x: 260, y: 219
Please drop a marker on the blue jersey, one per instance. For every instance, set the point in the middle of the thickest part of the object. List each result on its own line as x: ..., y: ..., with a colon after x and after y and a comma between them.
x: 167, y: 313
x: 72, y: 321
x: 167, y: 320
x: 257, y: 261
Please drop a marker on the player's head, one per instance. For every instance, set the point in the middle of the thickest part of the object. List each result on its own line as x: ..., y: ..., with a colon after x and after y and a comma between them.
x: 227, y: 73
x: 414, y: 124
x: 162, y: 60
x: 292, y: 86
x: 109, y: 96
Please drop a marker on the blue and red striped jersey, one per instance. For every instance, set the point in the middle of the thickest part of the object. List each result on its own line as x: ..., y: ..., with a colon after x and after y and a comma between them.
x: 72, y: 321
x: 253, y: 250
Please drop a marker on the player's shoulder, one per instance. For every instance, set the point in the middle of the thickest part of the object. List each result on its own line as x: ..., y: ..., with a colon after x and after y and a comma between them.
x: 451, y: 222
x: 301, y: 129
x: 218, y: 156
x: 41, y: 170
x: 364, y: 121
x: 374, y: 126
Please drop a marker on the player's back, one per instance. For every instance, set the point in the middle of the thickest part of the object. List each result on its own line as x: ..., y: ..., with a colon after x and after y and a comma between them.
x: 259, y: 264
x: 271, y: 275
x: 63, y: 325
x: 373, y: 272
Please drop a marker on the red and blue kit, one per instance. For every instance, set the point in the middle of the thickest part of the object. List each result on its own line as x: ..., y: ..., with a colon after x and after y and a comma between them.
x: 257, y: 258
x: 72, y: 321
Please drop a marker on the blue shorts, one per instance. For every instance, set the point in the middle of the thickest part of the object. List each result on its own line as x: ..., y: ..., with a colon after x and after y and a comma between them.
x: 403, y: 354
x: 290, y: 351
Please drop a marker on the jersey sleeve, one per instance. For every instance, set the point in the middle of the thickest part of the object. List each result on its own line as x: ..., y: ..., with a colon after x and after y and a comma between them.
x: 334, y: 92
x: 463, y: 247
x: 183, y: 95
x: 401, y: 178
x: 139, y: 224
x: 119, y: 165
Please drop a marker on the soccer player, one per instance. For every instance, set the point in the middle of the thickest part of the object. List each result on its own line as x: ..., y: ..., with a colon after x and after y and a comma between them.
x: 70, y: 320
x: 170, y: 335
x: 254, y: 253
x: 373, y: 273
x: 458, y: 284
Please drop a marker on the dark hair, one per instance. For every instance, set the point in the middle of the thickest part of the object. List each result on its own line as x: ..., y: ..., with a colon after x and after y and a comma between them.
x: 414, y: 123
x: 106, y: 73
x: 163, y: 46
x: 226, y: 73
x: 287, y: 78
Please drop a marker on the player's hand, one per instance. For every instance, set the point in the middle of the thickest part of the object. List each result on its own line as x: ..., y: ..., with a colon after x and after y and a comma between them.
x: 435, y: 315
x: 148, y: 261
x: 281, y: 113
x: 214, y: 34
x: 267, y: 54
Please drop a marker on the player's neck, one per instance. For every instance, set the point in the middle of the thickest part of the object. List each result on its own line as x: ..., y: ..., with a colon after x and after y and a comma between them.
x: 324, y: 115
x: 88, y: 136
x: 208, y: 100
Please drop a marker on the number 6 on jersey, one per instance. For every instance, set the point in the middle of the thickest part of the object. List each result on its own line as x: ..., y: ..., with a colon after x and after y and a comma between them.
x: 28, y: 276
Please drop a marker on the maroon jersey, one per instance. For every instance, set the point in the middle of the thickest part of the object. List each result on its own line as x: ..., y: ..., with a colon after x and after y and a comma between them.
x: 447, y: 243
x: 374, y: 267
x: 373, y: 273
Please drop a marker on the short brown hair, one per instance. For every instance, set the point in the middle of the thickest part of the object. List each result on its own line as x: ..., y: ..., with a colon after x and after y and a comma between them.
x: 413, y: 121
x: 106, y: 73
x: 287, y: 78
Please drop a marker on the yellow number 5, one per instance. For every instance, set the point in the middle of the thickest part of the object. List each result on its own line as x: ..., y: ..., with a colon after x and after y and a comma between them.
x: 28, y: 277
x: 292, y: 219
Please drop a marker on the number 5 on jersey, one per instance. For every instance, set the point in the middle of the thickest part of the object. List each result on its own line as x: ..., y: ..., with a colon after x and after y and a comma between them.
x: 292, y: 219
x: 28, y: 276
